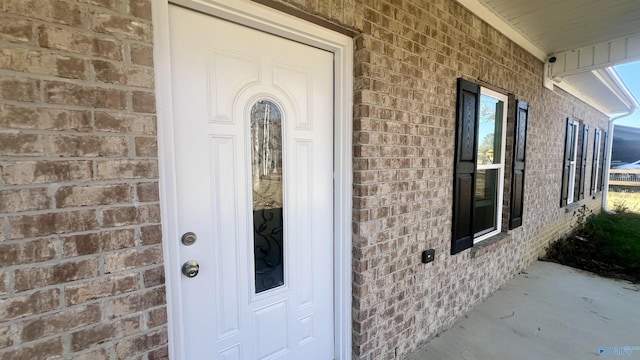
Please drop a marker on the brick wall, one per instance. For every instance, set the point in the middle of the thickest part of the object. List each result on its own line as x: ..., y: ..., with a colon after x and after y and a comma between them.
x: 407, y: 58
x: 81, y: 272
x: 80, y: 257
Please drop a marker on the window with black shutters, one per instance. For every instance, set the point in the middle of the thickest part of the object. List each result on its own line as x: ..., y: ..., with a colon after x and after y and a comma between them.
x: 597, y: 161
x: 583, y: 140
x: 518, y: 166
x: 597, y: 169
x: 575, y: 162
x: 481, y: 119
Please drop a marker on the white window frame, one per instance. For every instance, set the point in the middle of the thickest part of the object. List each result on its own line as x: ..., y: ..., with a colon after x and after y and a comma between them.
x: 572, y: 164
x: 596, y: 163
x: 478, y: 237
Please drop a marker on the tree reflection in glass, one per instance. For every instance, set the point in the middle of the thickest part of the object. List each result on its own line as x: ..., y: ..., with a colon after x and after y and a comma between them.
x: 266, y: 168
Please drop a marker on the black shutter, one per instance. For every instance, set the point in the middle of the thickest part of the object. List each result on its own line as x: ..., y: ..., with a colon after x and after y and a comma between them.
x: 605, y: 155
x: 517, y: 175
x: 595, y: 166
x: 464, y: 180
x: 583, y: 160
x: 568, y: 150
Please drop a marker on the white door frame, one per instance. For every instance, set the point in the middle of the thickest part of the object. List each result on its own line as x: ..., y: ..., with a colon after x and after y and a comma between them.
x: 271, y: 21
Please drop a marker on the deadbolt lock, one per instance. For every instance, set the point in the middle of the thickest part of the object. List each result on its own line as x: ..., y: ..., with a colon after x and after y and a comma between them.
x: 190, y: 268
x: 189, y: 238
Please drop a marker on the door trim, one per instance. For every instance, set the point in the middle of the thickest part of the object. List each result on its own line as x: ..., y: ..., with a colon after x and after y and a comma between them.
x: 262, y: 18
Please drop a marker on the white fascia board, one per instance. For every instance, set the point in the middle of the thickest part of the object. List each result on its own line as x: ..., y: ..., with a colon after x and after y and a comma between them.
x: 611, y: 79
x: 505, y: 28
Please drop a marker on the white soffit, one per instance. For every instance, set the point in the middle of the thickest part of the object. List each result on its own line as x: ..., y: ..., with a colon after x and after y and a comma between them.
x: 587, y: 38
x: 603, y: 89
x: 504, y: 27
x: 560, y: 25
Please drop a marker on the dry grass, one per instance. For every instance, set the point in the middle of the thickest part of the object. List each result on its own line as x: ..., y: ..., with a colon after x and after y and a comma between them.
x: 626, y: 201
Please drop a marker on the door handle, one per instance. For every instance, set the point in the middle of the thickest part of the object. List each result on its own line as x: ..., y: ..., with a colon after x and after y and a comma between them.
x: 190, y: 268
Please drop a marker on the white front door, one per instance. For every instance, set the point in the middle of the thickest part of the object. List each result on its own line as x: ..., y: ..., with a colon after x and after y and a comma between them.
x: 253, y: 120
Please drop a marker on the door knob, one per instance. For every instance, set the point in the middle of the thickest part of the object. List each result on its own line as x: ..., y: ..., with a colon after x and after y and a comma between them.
x: 190, y: 268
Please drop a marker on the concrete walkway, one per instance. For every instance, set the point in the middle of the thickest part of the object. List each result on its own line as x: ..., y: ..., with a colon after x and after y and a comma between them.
x: 548, y: 312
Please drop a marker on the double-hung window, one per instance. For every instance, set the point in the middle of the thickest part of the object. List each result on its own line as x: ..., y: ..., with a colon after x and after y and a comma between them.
x: 575, y: 162
x: 491, y: 138
x: 572, y: 145
x: 479, y: 173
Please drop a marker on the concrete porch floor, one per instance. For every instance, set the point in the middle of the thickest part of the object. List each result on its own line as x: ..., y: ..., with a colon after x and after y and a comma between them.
x: 548, y: 312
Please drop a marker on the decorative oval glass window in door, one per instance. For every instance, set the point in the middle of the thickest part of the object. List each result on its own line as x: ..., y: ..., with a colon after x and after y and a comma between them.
x: 266, y: 176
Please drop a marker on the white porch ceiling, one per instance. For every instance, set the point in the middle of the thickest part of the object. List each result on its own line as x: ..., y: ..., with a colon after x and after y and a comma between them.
x: 559, y: 25
x: 585, y: 37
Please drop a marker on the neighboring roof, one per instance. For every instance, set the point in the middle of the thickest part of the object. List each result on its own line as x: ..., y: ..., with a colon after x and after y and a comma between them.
x: 584, y: 38
x: 626, y: 133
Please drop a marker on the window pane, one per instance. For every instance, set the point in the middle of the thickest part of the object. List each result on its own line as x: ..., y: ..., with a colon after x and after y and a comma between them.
x: 484, y: 216
x: 266, y: 168
x: 572, y: 137
x: 490, y: 130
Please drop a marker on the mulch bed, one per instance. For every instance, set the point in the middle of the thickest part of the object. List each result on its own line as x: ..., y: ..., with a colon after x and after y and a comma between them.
x: 579, y: 252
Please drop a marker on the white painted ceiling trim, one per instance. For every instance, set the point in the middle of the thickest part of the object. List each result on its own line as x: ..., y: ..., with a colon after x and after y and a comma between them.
x: 505, y: 28
x: 597, y: 56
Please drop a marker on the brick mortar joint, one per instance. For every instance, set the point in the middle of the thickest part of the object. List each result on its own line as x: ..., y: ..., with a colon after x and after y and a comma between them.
x: 92, y: 84
x: 62, y: 260
x: 75, y: 134
x: 96, y: 183
x: 62, y: 291
x: 66, y: 335
x: 76, y: 108
x: 95, y: 159
x: 123, y: 12
x: 63, y: 236
x: 66, y: 53
x: 97, y: 208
